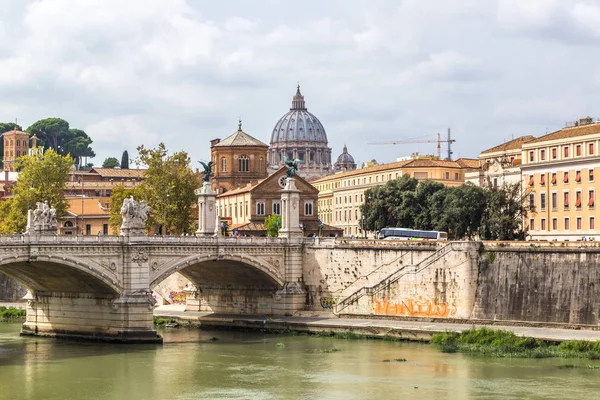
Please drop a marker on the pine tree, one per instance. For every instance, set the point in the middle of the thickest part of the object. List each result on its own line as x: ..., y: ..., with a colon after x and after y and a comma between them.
x: 125, y: 160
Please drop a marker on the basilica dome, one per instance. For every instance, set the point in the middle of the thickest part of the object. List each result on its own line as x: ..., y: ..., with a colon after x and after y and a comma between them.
x: 298, y: 134
x: 345, y: 162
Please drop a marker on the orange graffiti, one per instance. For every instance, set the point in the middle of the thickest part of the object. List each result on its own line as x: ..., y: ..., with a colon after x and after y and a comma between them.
x: 414, y: 308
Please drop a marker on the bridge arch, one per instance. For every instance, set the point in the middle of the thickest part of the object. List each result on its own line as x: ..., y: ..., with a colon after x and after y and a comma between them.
x: 268, y: 270
x: 59, y: 274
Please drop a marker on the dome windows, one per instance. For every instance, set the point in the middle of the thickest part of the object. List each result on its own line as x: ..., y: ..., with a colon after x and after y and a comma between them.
x: 243, y: 163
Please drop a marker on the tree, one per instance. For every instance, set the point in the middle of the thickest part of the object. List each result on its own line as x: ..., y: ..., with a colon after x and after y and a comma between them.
x: 125, y: 160
x: 54, y: 133
x: 504, y: 213
x: 6, y: 127
x: 117, y: 195
x: 110, y: 162
x: 42, y: 177
x: 463, y: 209
x: 272, y: 225
x: 393, y: 204
x: 168, y: 187
x: 77, y: 144
x: 50, y: 131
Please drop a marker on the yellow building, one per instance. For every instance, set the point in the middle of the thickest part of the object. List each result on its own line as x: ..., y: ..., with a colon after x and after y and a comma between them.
x: 559, y: 171
x: 86, y: 216
x: 342, y: 194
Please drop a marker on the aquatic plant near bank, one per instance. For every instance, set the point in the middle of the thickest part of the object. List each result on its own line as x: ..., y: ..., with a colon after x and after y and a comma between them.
x: 502, y: 343
x: 11, y: 314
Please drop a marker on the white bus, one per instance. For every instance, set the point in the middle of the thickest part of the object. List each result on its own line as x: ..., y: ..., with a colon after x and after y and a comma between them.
x: 411, y: 234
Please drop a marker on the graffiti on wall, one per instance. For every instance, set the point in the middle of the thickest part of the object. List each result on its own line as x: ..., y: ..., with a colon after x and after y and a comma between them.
x: 328, y: 302
x: 414, y: 308
x: 177, y: 297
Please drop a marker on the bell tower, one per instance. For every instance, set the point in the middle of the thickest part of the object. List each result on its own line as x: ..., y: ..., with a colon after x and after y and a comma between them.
x: 16, y: 144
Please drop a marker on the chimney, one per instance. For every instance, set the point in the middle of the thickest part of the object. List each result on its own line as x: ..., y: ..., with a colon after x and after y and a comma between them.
x: 585, y: 121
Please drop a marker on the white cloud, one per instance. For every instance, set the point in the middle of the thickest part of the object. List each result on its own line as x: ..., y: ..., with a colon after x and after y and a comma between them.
x: 144, y: 71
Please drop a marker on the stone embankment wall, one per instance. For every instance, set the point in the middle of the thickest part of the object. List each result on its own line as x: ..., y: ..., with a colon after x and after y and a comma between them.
x: 557, y: 282
x: 426, y: 279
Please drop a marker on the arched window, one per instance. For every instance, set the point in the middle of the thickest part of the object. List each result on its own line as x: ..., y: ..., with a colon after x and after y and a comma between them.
x: 308, y: 208
x: 244, y: 163
x: 260, y: 165
x: 260, y: 208
x: 223, y: 164
x: 68, y: 224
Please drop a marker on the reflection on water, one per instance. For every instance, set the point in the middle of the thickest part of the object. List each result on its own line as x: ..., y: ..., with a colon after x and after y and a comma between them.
x: 242, y: 365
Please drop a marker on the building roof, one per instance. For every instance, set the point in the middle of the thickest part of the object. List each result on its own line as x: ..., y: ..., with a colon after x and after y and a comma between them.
x: 571, y: 132
x: 118, y: 173
x: 514, y: 144
x: 468, y: 163
x: 250, y: 186
x: 414, y: 163
x: 90, y: 206
x: 375, y: 168
x: 240, y: 138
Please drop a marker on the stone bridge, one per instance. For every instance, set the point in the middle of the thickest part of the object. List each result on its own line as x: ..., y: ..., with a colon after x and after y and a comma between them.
x: 100, y: 286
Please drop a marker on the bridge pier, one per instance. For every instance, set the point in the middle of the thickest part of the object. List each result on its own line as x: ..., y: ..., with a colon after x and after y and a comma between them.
x: 90, y: 316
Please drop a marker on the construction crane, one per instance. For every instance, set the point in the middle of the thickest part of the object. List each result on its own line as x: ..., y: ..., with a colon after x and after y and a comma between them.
x: 439, y: 142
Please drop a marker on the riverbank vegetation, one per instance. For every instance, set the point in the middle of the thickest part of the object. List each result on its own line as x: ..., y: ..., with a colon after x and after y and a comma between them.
x: 11, y: 314
x: 502, y: 343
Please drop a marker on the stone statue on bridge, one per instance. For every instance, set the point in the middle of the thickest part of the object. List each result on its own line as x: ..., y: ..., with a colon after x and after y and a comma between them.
x: 44, y: 218
x: 134, y: 214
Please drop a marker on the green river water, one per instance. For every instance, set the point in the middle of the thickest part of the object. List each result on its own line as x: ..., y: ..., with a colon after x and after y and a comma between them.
x: 245, y: 365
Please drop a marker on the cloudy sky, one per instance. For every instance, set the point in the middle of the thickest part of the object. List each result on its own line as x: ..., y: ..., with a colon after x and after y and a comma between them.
x: 143, y: 71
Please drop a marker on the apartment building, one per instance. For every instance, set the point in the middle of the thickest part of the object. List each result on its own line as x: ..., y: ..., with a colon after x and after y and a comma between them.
x: 560, y: 172
x: 342, y: 194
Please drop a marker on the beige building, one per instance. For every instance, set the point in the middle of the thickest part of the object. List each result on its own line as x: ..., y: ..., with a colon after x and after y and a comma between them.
x: 559, y: 171
x: 499, y: 165
x: 342, y: 194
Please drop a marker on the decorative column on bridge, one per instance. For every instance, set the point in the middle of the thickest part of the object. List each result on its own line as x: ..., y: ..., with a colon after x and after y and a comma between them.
x: 207, y: 211
x: 292, y: 296
x: 208, y: 218
x: 290, y: 210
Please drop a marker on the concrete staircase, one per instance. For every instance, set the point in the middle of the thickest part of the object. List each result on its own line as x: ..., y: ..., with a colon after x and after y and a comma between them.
x: 392, y: 278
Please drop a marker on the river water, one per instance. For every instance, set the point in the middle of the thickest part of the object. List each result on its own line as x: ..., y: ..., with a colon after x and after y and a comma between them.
x: 243, y: 365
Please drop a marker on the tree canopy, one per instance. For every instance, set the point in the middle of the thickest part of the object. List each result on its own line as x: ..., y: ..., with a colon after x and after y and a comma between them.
x: 464, y: 211
x: 272, y: 225
x: 110, y: 162
x: 42, y: 177
x: 54, y: 133
x: 169, y: 188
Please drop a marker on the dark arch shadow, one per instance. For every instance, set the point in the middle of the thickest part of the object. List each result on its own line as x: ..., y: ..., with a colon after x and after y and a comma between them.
x: 68, y: 276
